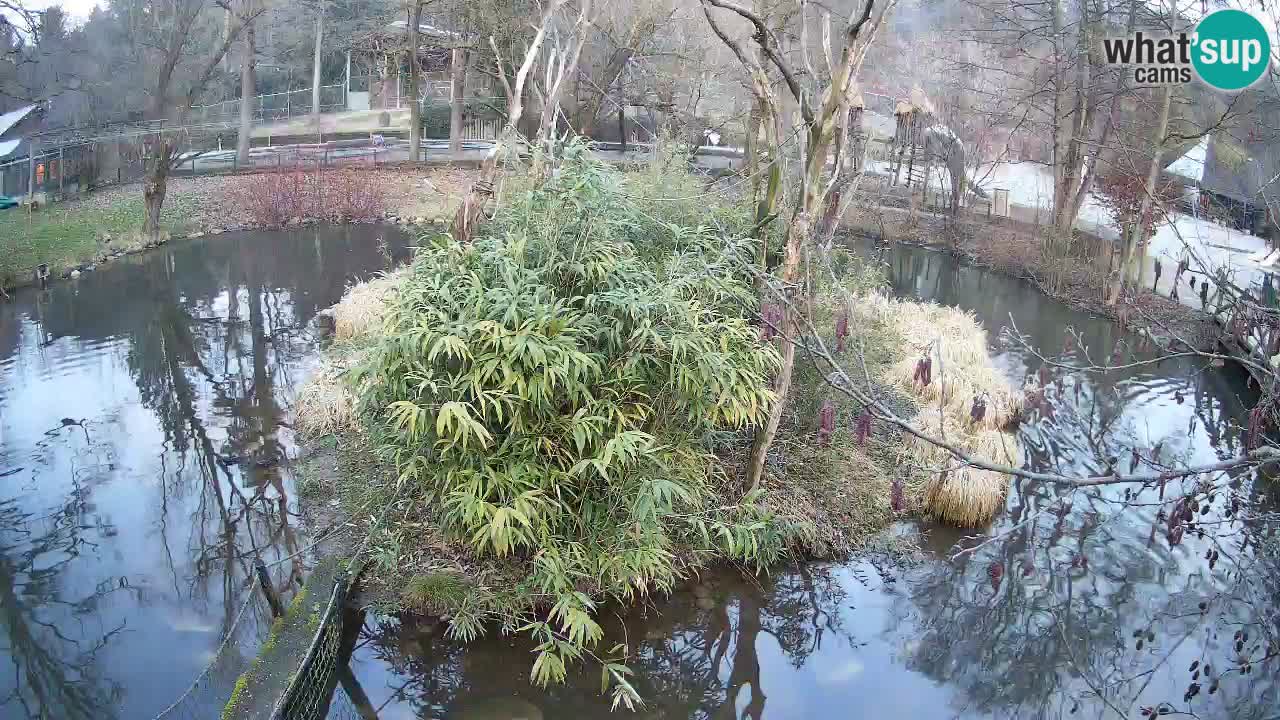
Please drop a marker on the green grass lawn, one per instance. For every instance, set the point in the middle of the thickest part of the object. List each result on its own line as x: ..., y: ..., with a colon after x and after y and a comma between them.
x: 68, y: 234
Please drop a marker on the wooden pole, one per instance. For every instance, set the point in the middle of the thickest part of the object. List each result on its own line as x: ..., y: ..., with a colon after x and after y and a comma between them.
x: 264, y: 581
x: 31, y: 174
x: 315, y: 70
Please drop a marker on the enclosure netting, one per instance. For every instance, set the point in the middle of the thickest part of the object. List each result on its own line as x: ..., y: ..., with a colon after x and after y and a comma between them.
x: 310, y: 694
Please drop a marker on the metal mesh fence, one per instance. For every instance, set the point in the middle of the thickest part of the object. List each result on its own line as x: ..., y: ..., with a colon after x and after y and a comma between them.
x: 311, y: 691
x: 349, y: 701
x: 274, y: 107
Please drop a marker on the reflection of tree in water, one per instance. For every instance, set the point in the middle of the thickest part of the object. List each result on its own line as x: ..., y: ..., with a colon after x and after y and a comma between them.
x: 695, y: 656
x: 214, y: 332
x: 1106, y: 614
x: 52, y: 673
x: 1069, y: 613
x: 214, y: 347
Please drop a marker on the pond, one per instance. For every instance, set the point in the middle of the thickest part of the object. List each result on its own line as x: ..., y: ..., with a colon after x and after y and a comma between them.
x: 1083, y: 610
x: 144, y: 464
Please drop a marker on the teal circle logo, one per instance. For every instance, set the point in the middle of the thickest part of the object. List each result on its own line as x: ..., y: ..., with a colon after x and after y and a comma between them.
x: 1232, y: 50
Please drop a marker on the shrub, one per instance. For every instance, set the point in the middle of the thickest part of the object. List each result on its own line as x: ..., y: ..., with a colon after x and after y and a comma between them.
x: 347, y: 195
x: 274, y: 198
x: 1121, y: 194
x: 551, y: 391
x: 338, y: 195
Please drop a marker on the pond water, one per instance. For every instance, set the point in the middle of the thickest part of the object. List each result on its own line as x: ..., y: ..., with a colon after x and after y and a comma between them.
x: 144, y: 448
x: 1070, y: 611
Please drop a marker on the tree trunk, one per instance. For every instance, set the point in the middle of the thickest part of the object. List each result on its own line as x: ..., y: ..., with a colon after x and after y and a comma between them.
x: 315, y: 65
x: 247, y: 85
x: 154, y: 189
x: 589, y: 111
x: 622, y: 128
x: 1135, y: 243
x: 751, y: 149
x: 457, y: 95
x: 797, y: 235
x: 415, y: 104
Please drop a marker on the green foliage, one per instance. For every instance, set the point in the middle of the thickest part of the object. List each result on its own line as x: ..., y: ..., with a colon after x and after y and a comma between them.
x: 549, y: 388
x: 237, y: 693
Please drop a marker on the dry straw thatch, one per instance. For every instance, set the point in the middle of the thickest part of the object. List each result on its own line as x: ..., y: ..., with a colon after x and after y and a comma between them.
x: 326, y: 403
x: 362, y: 309
x: 961, y: 371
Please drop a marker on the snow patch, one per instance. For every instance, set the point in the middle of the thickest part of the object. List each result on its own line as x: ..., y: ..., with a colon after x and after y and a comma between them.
x: 13, y: 117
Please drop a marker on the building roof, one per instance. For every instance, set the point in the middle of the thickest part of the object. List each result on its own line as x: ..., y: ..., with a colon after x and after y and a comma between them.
x: 1232, y: 171
x: 918, y: 102
x: 1191, y: 164
x: 8, y: 146
x: 14, y: 117
x: 425, y: 29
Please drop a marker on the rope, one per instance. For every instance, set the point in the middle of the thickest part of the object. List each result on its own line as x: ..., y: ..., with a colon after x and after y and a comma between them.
x: 204, y: 673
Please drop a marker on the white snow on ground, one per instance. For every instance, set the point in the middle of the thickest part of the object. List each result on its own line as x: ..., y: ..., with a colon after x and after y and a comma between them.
x: 1031, y: 185
x: 1209, y: 246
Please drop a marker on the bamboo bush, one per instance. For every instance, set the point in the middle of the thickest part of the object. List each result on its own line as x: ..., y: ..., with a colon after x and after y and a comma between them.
x: 551, y: 390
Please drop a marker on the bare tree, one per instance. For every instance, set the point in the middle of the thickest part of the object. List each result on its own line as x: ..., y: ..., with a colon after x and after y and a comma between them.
x: 821, y: 116
x: 176, y: 44
x: 248, y: 82
x: 315, y: 68
x: 472, y: 211
x: 415, y: 105
x: 561, y: 64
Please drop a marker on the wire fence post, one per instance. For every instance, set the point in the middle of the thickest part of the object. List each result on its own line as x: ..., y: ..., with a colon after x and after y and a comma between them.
x: 31, y: 175
x: 264, y: 581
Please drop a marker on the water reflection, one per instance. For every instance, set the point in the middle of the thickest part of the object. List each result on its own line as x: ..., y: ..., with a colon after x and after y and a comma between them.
x: 716, y: 651
x: 144, y: 456
x: 1069, y: 605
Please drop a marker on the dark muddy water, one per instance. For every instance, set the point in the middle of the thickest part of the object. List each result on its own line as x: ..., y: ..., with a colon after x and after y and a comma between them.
x: 144, y: 463
x: 1044, y: 620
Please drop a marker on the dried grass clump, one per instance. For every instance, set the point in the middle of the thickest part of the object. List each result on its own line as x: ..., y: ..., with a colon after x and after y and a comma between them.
x: 961, y: 371
x: 962, y: 367
x: 326, y: 403
x: 966, y: 496
x: 364, y: 306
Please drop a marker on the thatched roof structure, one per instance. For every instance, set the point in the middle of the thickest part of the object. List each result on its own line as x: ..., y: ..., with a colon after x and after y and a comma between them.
x: 855, y: 97
x: 917, y: 102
